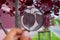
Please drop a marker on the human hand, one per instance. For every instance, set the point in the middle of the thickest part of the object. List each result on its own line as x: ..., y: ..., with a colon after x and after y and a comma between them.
x: 17, y: 34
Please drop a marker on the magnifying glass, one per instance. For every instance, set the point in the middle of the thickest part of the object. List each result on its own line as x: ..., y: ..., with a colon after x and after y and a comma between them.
x: 32, y: 19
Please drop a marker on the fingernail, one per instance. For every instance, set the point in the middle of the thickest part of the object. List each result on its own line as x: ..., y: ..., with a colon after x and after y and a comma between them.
x: 26, y: 33
x: 22, y: 28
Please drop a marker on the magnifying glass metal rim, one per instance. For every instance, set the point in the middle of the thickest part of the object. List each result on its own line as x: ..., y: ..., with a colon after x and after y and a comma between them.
x: 37, y: 27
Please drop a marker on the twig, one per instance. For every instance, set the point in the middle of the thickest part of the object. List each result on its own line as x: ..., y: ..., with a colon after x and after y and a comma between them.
x: 3, y: 27
x: 17, y: 16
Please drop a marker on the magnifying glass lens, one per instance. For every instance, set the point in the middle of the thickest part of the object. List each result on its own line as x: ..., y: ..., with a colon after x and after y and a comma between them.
x: 28, y: 20
x: 32, y: 19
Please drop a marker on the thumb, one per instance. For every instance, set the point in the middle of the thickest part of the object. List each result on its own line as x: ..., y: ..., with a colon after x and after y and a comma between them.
x: 25, y: 36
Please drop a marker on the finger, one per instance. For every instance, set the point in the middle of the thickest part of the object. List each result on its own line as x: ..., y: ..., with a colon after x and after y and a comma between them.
x: 25, y: 36
x: 30, y: 38
x: 17, y: 38
x: 23, y: 29
x: 14, y: 32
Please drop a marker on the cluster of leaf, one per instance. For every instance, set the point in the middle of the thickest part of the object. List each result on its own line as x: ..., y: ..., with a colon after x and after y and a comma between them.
x: 46, y: 37
x: 56, y: 21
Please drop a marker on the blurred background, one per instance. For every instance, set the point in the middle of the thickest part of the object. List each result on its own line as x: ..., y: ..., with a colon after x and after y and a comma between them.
x: 49, y: 8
